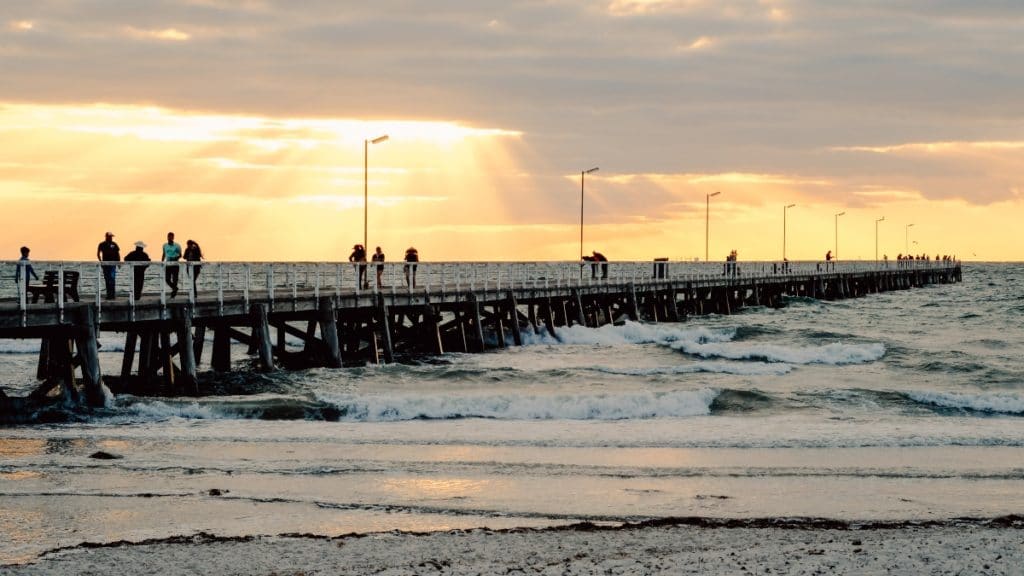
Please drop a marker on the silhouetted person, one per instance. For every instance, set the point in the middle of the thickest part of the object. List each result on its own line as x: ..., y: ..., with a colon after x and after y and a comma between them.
x: 193, y: 253
x: 603, y: 263
x: 23, y: 262
x: 359, y: 255
x: 109, y: 251
x: 171, y: 255
x: 411, y: 255
x: 138, y: 255
x: 378, y: 256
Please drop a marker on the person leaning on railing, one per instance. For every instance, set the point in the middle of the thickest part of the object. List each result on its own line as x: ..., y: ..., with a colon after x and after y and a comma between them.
x: 139, y: 270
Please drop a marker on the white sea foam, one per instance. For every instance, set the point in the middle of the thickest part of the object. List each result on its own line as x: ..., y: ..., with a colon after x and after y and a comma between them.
x: 1001, y: 402
x: 139, y: 409
x: 622, y: 406
x: 835, y: 353
x: 630, y: 333
x: 714, y: 343
x: 712, y: 367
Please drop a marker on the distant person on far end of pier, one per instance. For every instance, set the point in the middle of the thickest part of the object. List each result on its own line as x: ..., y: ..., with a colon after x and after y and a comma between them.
x: 24, y: 263
x: 411, y: 255
x: 171, y: 255
x: 359, y: 255
x: 378, y: 256
x: 193, y: 253
x: 109, y: 251
x: 138, y: 255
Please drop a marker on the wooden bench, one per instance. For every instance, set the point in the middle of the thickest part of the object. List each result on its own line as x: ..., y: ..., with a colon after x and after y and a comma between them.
x: 48, y: 290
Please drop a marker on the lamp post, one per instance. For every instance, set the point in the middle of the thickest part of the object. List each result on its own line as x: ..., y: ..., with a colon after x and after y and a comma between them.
x: 366, y: 183
x: 836, y: 255
x: 876, y: 238
x: 906, y: 238
x: 583, y: 175
x: 707, y: 222
x: 784, y: 209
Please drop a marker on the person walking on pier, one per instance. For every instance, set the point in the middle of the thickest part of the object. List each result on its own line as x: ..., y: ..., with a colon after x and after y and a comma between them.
x: 109, y: 251
x: 139, y: 270
x: 359, y: 255
x: 411, y: 255
x: 193, y: 253
x: 378, y: 256
x: 23, y: 262
x: 171, y: 255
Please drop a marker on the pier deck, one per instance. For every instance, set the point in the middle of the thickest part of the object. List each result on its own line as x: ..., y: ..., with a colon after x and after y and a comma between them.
x: 464, y: 307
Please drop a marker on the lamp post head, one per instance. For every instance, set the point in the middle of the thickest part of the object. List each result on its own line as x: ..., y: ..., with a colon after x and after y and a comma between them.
x: 880, y: 219
x: 791, y: 206
x: 591, y: 171
x: 840, y: 214
x: 909, y: 225
x: 379, y: 139
x: 713, y: 194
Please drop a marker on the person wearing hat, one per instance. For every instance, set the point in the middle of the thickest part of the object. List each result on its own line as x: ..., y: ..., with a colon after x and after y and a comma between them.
x: 139, y: 255
x: 109, y: 251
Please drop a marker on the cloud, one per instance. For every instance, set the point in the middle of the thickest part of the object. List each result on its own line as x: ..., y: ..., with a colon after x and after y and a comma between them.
x: 169, y: 34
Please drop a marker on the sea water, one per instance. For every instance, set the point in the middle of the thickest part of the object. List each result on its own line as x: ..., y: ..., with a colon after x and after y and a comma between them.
x: 905, y: 405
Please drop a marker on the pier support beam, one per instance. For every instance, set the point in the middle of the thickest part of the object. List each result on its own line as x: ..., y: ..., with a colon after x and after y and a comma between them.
x: 327, y: 321
x: 261, y: 336
x: 513, y: 317
x: 188, y: 383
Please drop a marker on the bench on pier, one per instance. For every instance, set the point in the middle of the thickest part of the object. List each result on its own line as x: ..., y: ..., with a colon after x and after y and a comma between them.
x: 48, y: 290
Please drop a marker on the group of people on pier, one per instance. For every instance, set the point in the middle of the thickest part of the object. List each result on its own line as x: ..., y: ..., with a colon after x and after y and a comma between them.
x: 358, y: 255
x: 904, y: 261
x: 171, y: 252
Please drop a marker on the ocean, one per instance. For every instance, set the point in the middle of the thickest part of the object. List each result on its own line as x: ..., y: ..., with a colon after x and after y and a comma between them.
x: 907, y: 405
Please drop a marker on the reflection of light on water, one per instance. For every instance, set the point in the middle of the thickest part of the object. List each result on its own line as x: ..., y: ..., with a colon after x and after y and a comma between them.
x: 437, y: 488
x: 19, y: 475
x: 114, y: 444
x: 13, y: 447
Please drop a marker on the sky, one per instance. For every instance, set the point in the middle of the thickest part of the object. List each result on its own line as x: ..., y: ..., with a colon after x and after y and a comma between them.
x: 243, y: 124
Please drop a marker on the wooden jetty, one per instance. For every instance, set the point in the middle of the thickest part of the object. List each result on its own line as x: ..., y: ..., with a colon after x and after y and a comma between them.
x: 300, y: 315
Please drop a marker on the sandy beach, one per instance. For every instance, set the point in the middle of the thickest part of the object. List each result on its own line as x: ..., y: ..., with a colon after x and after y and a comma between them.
x: 689, y: 547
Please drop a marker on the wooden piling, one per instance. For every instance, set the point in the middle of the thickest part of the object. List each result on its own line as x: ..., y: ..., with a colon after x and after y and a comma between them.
x: 513, y: 313
x: 220, y: 359
x: 327, y: 320
x: 261, y: 336
x: 384, y: 329
x: 189, y: 382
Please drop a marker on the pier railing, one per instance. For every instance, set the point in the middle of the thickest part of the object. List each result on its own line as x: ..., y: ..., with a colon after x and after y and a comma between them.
x: 217, y: 281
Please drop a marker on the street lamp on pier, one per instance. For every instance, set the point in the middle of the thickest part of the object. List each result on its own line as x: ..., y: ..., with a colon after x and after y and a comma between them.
x: 876, y: 238
x: 784, y: 210
x: 836, y: 255
x: 707, y: 222
x: 366, y: 184
x: 583, y: 175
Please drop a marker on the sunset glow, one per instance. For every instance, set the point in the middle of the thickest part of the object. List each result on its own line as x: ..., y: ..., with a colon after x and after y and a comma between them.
x: 243, y: 125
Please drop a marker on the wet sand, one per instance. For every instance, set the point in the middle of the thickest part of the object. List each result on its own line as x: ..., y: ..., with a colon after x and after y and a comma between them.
x: 689, y: 546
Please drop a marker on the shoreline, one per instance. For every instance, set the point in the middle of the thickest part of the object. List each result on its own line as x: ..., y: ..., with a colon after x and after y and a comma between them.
x: 666, y: 545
